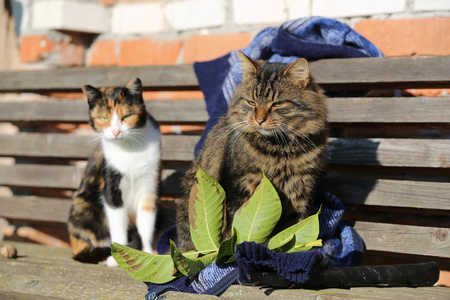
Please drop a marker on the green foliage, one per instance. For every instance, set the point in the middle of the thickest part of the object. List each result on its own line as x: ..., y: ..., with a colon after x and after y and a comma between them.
x: 254, y: 221
x: 258, y: 216
x: 190, y: 266
x: 144, y: 266
x: 299, y: 237
x: 206, y: 212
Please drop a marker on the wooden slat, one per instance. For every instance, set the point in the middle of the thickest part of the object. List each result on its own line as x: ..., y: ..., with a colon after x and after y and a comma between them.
x: 381, y: 192
x: 179, y: 77
x: 431, y: 241
x: 44, y: 176
x: 353, y: 73
x: 76, y: 111
x: 174, y: 148
x: 41, y: 271
x: 49, y: 273
x: 428, y: 153
x: 384, y: 73
x: 341, y: 110
x: 67, y: 177
x: 35, y: 208
x: 389, y: 110
x: 390, y: 193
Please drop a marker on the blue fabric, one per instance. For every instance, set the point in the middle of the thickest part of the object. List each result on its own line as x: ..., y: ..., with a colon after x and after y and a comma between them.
x: 312, y: 38
x: 342, y: 247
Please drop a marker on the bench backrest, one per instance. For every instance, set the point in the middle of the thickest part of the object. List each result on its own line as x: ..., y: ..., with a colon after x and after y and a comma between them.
x: 388, y: 160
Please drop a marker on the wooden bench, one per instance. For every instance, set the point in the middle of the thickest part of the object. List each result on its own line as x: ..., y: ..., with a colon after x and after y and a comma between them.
x: 389, y: 161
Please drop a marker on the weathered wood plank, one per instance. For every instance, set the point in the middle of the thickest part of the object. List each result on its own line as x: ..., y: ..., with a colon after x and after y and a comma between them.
x: 389, y: 110
x: 381, y: 192
x: 49, y: 272
x: 408, y: 239
x: 76, y: 111
x: 179, y: 77
x: 352, y: 73
x: 385, y: 73
x: 174, y: 147
x: 409, y: 110
x: 35, y: 208
x: 429, y: 153
x: 390, y: 193
x: 46, y: 271
x: 62, y: 177
x: 44, y: 176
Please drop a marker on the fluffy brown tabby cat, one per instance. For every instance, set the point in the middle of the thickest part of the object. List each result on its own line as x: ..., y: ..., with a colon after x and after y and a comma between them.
x: 117, y: 198
x: 276, y: 124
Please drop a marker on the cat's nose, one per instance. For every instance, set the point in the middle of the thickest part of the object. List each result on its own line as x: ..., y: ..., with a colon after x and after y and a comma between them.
x: 116, y: 132
x: 260, y: 120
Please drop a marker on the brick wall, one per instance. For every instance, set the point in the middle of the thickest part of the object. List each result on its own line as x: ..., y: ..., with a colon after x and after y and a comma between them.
x: 56, y: 33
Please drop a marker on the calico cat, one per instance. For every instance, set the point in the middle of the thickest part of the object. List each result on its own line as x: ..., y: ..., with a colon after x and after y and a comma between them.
x: 117, y: 197
x: 276, y: 124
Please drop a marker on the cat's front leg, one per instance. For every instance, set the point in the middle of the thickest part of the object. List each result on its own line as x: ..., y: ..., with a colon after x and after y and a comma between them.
x: 145, y: 220
x: 118, y: 228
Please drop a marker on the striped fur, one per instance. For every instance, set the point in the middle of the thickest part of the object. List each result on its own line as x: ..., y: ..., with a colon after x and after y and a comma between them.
x: 276, y: 124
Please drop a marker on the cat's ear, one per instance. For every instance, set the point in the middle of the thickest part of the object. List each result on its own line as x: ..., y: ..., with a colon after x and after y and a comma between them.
x: 298, y: 71
x: 249, y: 67
x: 134, y: 87
x: 91, y: 93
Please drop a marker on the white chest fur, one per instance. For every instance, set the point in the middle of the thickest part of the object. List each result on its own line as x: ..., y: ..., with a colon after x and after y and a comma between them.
x: 137, y: 161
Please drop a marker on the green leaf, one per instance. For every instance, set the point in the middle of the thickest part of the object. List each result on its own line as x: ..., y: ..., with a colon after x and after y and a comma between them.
x: 206, y: 211
x: 305, y: 247
x: 258, y: 216
x: 190, y: 266
x: 144, y: 266
x: 304, y: 232
x: 227, y: 249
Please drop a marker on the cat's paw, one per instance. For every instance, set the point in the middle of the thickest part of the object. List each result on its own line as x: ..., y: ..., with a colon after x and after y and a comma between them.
x: 111, y: 262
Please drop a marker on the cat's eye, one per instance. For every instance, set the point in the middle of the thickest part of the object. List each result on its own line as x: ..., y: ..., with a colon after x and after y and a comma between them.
x: 251, y: 102
x: 126, y: 117
x: 278, y: 103
x: 104, y: 120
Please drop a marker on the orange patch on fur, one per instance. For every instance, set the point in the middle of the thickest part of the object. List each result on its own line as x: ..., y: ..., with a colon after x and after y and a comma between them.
x: 149, y: 203
x: 78, y: 245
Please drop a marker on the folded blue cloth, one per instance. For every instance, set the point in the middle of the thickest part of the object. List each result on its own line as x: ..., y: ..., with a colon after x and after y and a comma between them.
x: 311, y: 38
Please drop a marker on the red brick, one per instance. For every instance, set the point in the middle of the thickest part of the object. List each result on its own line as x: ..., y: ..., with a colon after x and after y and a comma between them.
x: 108, y: 2
x: 103, y: 53
x: 172, y: 95
x: 208, y: 47
x: 141, y: 52
x: 34, y: 48
x: 406, y: 37
x: 71, y: 54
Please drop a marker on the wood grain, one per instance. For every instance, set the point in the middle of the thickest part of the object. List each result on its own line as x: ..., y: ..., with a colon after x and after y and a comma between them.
x: 43, y: 272
x: 390, y: 193
x: 409, y: 110
x: 431, y: 241
x: 429, y: 153
x: 332, y: 74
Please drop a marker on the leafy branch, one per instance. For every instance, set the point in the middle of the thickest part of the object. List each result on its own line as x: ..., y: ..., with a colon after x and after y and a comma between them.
x: 254, y: 221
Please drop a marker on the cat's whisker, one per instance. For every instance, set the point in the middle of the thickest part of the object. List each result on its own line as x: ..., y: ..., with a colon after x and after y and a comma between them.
x: 228, y: 129
x: 300, y: 135
x: 236, y: 137
x: 235, y: 127
x: 94, y: 142
x: 288, y: 132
